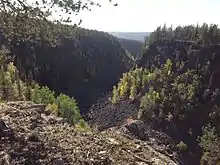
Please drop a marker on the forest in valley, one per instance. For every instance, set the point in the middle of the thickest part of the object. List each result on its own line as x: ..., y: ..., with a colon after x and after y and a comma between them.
x: 176, y: 87
x: 76, y: 66
x: 133, y: 47
x: 173, y: 78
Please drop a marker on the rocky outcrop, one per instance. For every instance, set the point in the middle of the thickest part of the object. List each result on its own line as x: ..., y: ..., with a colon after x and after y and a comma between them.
x: 105, y: 115
x: 121, y: 119
x: 31, y: 135
x: 143, y: 134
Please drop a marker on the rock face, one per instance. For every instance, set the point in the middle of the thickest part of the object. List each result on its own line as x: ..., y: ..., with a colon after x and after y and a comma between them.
x: 105, y: 115
x: 32, y: 136
x: 138, y: 128
x: 143, y: 134
x: 121, y: 119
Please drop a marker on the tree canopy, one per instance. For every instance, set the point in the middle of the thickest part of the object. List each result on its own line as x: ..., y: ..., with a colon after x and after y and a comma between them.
x: 43, y: 9
x: 206, y: 34
x: 27, y: 20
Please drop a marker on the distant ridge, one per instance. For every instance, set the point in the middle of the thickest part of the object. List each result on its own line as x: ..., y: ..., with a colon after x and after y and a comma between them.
x: 138, y: 36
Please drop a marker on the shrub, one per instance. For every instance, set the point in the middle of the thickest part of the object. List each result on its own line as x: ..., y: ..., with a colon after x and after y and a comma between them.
x: 53, y: 107
x: 82, y: 125
x: 42, y: 95
x: 115, y: 95
x: 149, y: 103
x: 167, y: 96
x: 68, y: 108
x: 63, y: 105
x: 210, y: 143
x: 8, y: 88
x: 182, y: 146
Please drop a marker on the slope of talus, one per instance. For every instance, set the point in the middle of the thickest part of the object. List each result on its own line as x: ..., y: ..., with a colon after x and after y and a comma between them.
x: 31, y: 135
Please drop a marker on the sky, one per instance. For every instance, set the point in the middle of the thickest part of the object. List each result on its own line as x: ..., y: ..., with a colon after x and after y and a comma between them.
x: 146, y: 15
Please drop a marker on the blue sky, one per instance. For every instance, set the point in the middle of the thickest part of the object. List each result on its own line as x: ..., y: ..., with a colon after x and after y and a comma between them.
x: 146, y: 15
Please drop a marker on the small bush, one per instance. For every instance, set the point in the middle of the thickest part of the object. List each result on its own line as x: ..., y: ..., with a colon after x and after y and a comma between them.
x: 68, y: 108
x: 182, y: 146
x: 115, y: 96
x: 53, y: 107
x: 63, y: 105
x: 42, y: 95
x: 210, y: 143
x: 82, y: 125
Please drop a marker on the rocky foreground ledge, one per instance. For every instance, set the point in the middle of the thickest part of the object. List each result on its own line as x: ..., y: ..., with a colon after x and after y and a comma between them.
x: 31, y: 135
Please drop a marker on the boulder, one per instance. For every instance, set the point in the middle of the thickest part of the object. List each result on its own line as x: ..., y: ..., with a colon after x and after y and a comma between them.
x: 137, y: 127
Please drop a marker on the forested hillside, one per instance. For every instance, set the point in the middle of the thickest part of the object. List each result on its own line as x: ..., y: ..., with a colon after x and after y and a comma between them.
x: 82, y: 67
x: 165, y: 109
x: 12, y: 88
x: 137, y: 36
x: 206, y: 34
x: 65, y: 58
x: 81, y: 63
x: 133, y: 47
x: 176, y: 88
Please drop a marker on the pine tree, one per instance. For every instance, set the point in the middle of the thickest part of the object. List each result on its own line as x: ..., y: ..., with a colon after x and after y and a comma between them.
x: 17, y: 77
x: 3, y: 73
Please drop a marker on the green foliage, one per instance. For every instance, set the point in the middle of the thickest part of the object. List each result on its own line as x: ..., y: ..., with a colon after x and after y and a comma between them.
x: 130, y: 84
x: 82, y: 125
x: 30, y: 34
x: 182, y: 146
x: 148, y: 102
x: 163, y: 92
x: 124, y: 86
x: 168, y: 96
x: 78, y: 65
x: 171, y: 101
x: 133, y: 91
x: 63, y: 105
x: 68, y: 108
x: 8, y: 80
x: 26, y: 20
x: 53, y: 107
x: 173, y: 97
x: 82, y: 55
x: 210, y: 142
x: 206, y: 34
x: 115, y: 96
x: 42, y: 95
